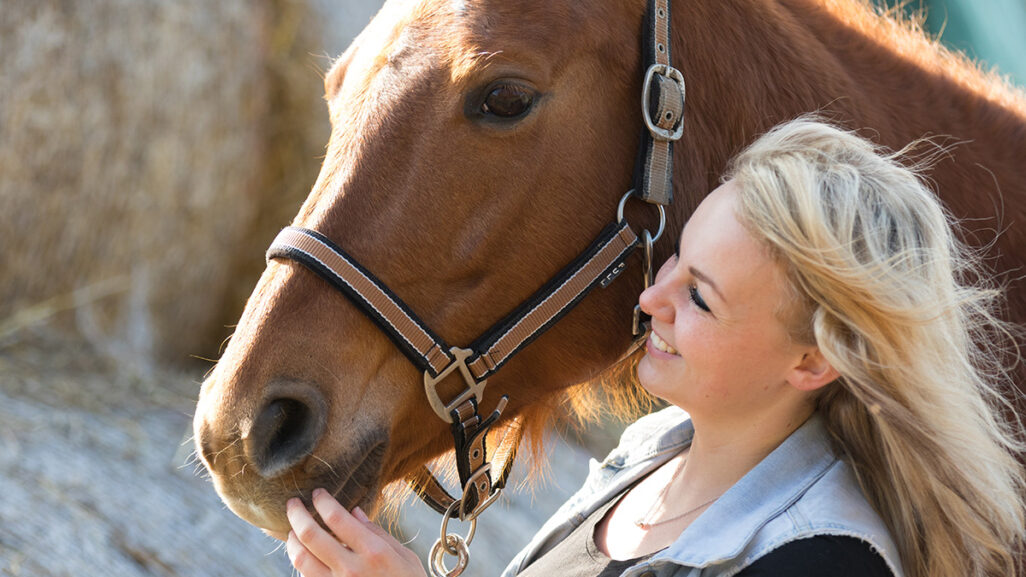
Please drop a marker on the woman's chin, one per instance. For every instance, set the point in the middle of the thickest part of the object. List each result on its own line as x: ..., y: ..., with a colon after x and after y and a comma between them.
x: 649, y: 375
x: 656, y: 382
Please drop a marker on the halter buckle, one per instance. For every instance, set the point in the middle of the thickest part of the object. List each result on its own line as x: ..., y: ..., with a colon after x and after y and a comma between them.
x: 483, y: 500
x: 670, y: 73
x: 474, y: 388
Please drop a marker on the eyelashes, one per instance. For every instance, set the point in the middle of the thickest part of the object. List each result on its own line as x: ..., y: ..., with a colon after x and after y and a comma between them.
x: 696, y: 298
x: 693, y: 294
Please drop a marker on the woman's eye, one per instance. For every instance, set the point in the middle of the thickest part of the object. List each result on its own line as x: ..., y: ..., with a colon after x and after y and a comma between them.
x: 507, y: 101
x: 696, y: 298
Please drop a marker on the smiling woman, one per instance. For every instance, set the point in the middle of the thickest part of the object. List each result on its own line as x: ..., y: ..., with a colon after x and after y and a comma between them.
x: 842, y: 386
x: 882, y: 285
x: 836, y: 409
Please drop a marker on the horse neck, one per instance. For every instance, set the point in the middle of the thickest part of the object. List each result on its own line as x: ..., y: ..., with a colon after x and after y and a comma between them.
x: 751, y: 64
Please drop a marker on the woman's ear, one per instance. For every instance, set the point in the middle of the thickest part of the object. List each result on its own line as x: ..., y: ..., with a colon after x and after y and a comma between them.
x: 812, y: 372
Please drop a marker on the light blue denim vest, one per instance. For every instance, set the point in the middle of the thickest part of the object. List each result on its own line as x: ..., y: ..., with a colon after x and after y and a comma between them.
x: 799, y: 490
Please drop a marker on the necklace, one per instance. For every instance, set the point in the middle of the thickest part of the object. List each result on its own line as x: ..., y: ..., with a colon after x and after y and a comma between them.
x: 643, y: 523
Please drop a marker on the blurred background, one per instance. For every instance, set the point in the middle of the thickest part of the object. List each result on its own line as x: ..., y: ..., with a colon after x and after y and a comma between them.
x: 149, y: 152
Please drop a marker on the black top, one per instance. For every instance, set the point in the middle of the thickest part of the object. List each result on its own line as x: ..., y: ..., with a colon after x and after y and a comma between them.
x: 821, y: 556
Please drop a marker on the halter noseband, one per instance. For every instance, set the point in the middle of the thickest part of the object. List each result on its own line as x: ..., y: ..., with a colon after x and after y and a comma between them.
x: 598, y: 265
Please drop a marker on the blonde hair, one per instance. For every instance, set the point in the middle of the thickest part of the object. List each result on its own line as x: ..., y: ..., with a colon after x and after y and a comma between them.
x: 899, y: 307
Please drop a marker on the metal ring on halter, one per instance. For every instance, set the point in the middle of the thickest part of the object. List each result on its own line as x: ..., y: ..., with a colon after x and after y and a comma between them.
x: 437, y: 556
x: 445, y: 525
x: 662, y: 214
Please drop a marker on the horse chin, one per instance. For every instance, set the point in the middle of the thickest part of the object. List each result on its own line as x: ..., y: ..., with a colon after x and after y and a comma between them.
x: 261, y: 502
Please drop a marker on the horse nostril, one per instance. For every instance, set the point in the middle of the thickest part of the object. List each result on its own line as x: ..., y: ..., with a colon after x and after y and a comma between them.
x: 285, y: 432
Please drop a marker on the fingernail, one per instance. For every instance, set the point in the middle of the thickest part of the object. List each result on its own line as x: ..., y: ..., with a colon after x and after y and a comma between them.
x: 293, y: 502
x: 359, y: 514
x: 319, y: 492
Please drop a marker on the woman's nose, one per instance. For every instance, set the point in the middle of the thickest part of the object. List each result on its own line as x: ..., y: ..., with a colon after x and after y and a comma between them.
x: 656, y: 300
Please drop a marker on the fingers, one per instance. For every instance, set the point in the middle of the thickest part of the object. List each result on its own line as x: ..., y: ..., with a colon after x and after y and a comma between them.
x: 368, y: 550
x: 355, y: 534
x: 303, y: 560
x: 313, y: 538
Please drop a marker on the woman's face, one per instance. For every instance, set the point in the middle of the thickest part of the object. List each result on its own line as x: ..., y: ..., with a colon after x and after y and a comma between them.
x: 719, y: 347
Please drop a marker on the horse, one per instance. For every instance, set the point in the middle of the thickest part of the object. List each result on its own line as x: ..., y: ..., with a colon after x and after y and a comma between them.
x: 478, y: 145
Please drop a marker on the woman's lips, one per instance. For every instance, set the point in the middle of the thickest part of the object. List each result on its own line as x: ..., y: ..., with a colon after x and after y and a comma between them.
x: 659, y: 344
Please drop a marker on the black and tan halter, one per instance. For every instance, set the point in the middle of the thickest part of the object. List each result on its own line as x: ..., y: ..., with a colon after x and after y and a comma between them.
x: 598, y: 265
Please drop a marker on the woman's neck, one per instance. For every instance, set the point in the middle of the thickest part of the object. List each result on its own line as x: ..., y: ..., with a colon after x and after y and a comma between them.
x: 723, y: 452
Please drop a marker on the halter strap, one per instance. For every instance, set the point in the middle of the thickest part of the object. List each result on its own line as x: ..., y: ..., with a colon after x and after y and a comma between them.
x: 598, y: 265
x: 662, y: 106
x: 603, y: 258
x: 314, y: 250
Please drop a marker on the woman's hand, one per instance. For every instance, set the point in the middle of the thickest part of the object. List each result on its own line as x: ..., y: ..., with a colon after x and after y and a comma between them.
x: 368, y: 550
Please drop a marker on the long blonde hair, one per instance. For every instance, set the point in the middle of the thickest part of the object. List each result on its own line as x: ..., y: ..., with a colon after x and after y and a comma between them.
x: 899, y: 307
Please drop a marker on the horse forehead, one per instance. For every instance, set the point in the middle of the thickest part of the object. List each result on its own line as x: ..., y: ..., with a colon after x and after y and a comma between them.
x: 465, y: 33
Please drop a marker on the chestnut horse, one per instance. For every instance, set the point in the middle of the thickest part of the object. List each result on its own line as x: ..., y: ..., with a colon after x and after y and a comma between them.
x: 479, y: 145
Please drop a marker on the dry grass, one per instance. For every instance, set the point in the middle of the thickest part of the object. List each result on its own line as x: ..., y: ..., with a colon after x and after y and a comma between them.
x: 154, y: 146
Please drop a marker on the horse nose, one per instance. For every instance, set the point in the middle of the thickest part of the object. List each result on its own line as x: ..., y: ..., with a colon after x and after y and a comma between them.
x: 286, y: 429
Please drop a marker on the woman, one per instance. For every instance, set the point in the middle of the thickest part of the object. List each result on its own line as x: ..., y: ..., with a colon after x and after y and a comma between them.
x: 841, y: 389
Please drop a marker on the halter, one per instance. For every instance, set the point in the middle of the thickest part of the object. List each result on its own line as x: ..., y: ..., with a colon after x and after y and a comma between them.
x: 599, y: 264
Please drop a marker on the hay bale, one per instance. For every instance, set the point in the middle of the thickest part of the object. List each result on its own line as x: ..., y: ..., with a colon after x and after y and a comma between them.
x: 140, y: 143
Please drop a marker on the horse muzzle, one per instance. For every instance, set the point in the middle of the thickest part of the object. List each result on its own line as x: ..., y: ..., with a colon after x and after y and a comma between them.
x: 269, y: 456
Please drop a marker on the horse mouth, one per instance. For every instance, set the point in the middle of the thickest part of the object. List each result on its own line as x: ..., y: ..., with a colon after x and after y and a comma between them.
x: 354, y: 480
x: 360, y: 487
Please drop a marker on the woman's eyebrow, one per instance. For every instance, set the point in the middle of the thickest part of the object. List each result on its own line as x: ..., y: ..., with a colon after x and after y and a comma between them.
x: 705, y: 279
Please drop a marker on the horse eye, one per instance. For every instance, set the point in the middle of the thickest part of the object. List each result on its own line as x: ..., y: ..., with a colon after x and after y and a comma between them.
x: 507, y: 101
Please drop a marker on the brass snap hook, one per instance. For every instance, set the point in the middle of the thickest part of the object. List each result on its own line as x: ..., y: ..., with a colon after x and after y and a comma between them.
x: 639, y: 328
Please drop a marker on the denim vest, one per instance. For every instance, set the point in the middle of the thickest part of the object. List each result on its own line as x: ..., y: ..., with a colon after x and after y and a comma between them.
x: 799, y: 490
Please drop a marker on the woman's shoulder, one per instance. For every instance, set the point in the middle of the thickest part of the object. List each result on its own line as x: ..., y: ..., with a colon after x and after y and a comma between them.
x: 832, y: 516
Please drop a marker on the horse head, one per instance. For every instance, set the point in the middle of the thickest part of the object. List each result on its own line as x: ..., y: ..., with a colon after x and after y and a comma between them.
x: 475, y: 150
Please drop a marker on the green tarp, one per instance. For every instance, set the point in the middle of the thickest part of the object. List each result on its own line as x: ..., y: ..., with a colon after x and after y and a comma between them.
x: 991, y: 31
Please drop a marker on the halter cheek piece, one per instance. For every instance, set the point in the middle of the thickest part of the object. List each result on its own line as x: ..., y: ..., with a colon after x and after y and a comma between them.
x: 598, y: 265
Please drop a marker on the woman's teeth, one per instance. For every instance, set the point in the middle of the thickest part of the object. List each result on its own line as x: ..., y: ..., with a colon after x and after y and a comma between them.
x: 662, y: 345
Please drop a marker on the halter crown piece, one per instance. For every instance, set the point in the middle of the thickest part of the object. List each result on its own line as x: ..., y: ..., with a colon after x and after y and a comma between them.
x: 598, y: 265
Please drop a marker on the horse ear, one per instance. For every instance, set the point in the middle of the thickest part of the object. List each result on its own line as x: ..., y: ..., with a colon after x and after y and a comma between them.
x: 812, y: 372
